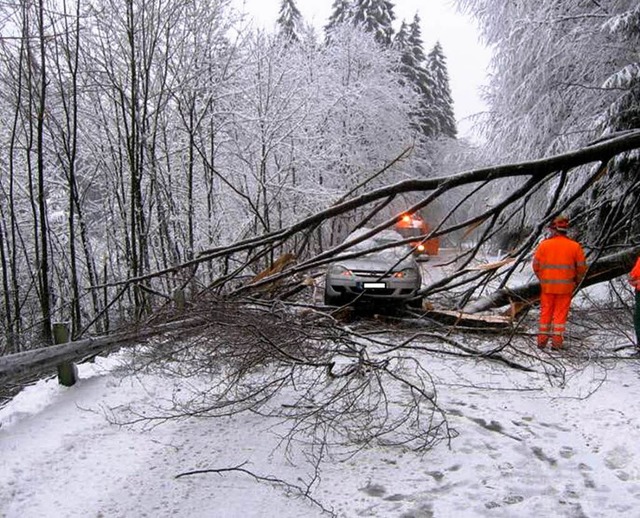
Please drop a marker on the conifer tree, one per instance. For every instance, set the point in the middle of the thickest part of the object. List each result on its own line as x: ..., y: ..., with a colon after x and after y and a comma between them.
x: 340, y: 13
x: 442, y: 102
x: 289, y: 22
x: 400, y: 38
x: 400, y: 42
x: 414, y: 61
x: 376, y: 16
x: 414, y: 40
x: 618, y: 194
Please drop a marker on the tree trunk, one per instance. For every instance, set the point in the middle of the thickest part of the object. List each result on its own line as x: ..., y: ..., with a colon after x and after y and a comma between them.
x: 45, y: 288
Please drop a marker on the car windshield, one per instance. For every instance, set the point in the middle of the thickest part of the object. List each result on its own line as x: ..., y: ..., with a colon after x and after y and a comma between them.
x: 383, y: 238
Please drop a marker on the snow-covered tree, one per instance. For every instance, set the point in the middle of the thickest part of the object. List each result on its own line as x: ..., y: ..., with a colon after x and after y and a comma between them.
x: 367, y: 116
x: 416, y: 44
x: 413, y: 66
x: 442, y: 106
x: 550, y: 60
x: 401, y: 37
x: 624, y: 112
x: 557, y: 71
x: 375, y: 16
x: 365, y: 96
x: 340, y: 14
x: 618, y: 194
x: 289, y: 22
x: 309, y: 124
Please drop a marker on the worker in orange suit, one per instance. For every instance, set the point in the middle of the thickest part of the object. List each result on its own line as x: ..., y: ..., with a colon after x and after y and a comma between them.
x: 634, y: 278
x: 560, y: 265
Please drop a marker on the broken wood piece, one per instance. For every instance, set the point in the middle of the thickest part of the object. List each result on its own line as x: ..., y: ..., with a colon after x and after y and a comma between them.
x: 459, y: 318
x: 278, y: 266
x: 490, y: 266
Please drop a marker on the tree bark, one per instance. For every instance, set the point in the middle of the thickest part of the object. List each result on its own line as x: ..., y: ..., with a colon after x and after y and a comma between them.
x: 43, y: 230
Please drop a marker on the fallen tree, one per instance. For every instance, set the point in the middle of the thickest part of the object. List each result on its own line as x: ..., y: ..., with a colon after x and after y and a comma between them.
x: 603, y: 269
x: 291, y: 276
x: 536, y: 175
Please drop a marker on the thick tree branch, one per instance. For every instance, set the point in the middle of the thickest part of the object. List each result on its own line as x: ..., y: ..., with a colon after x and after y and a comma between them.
x: 604, y: 269
x: 537, y: 169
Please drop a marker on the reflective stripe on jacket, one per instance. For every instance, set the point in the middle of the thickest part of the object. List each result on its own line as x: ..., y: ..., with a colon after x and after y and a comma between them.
x: 634, y: 276
x: 559, y: 264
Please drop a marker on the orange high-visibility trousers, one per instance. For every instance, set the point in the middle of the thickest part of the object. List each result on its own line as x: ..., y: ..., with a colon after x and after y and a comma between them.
x: 554, y: 309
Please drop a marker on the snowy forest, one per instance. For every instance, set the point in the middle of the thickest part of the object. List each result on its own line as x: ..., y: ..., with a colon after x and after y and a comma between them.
x: 155, y: 148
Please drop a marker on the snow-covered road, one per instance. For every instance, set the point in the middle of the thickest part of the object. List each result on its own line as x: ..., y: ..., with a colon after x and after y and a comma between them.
x: 524, y: 448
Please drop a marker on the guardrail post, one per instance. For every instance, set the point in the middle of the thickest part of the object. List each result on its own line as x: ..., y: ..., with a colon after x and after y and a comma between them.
x: 67, y: 371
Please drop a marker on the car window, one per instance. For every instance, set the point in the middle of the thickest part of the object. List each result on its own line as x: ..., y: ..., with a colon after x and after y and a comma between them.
x: 388, y: 254
x: 386, y: 237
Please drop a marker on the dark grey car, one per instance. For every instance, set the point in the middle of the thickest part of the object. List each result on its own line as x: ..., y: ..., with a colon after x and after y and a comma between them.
x: 390, y: 275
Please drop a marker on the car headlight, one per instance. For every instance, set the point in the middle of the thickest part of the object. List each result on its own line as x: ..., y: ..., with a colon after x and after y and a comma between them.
x: 407, y: 273
x: 337, y: 269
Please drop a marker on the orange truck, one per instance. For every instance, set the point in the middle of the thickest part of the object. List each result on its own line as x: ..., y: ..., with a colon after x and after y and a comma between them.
x: 414, y: 225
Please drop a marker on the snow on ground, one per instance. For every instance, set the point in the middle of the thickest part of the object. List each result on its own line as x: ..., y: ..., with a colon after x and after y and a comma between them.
x: 525, y: 447
x: 558, y: 442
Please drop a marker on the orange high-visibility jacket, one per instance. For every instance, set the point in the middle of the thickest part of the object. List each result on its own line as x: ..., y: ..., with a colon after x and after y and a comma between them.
x: 635, y: 275
x: 559, y: 264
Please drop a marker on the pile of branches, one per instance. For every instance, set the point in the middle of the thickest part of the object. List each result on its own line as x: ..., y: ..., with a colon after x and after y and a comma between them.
x: 332, y: 389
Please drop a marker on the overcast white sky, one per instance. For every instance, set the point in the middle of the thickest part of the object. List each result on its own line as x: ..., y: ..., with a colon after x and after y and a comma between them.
x: 467, y: 58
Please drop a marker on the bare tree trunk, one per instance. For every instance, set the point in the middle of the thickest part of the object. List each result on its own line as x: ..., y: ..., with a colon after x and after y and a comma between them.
x: 136, y: 228
x: 11, y: 237
x: 45, y: 288
x: 6, y: 294
x: 66, y: 49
